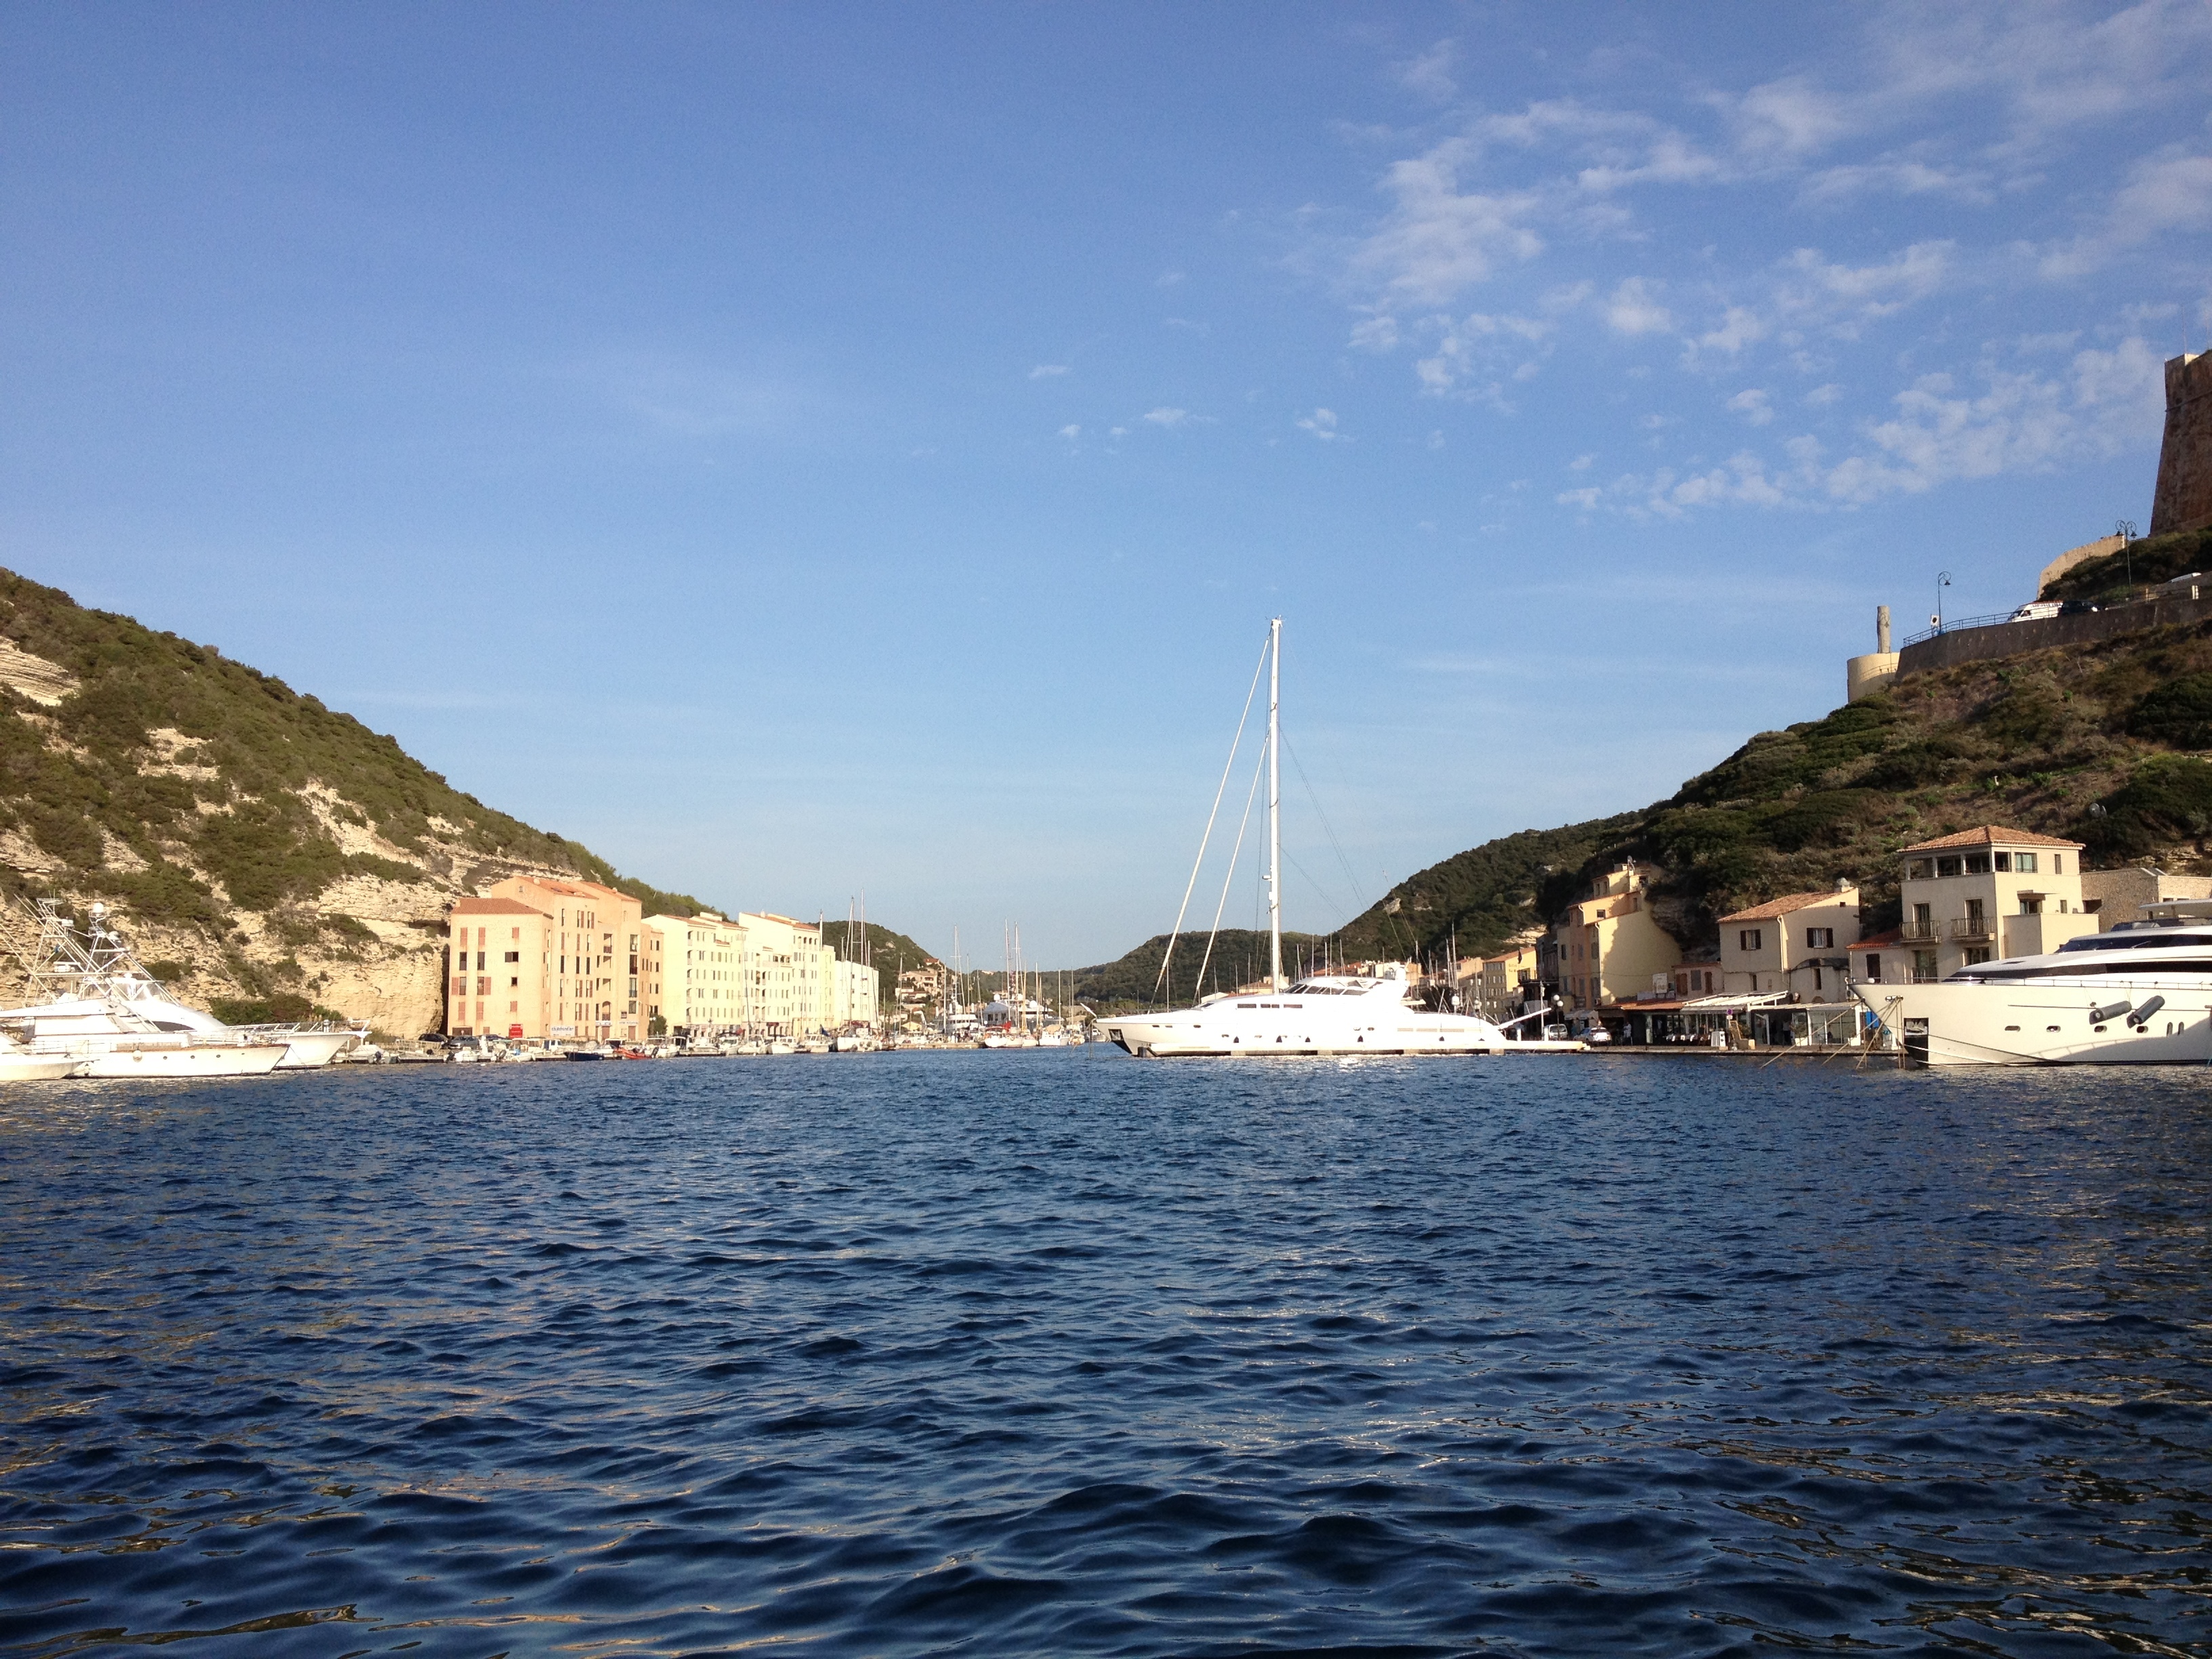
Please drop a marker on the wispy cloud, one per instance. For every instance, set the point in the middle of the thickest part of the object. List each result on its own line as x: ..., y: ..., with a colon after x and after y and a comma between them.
x: 1322, y: 424
x: 1169, y: 418
x: 1046, y: 371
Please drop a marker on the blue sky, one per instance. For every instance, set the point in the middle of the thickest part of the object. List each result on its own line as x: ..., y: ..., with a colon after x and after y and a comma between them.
x: 803, y: 451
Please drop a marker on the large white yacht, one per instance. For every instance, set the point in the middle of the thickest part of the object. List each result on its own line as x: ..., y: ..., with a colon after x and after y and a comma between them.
x: 1321, y: 1014
x: 2139, y: 995
x: 99, y: 1004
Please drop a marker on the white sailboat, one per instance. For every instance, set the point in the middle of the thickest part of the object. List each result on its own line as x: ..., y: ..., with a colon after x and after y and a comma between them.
x: 1322, y: 1013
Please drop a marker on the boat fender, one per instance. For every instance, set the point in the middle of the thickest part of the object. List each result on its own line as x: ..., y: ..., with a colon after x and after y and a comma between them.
x: 2110, y: 1011
x: 2141, y: 1015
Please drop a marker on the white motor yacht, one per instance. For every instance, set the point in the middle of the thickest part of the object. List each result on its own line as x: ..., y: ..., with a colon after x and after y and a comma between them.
x: 100, y: 967
x: 105, y: 1037
x: 2139, y: 995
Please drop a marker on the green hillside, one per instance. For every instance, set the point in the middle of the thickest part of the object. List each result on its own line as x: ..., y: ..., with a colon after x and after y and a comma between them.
x: 2100, y: 742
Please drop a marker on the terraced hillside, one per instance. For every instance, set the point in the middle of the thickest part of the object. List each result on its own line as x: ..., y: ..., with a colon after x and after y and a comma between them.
x: 269, y: 854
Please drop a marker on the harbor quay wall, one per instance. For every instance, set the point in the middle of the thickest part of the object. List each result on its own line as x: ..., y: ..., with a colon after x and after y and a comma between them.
x: 2042, y: 634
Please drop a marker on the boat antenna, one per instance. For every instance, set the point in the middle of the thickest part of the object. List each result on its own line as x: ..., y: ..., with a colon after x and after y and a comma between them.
x: 1274, y: 803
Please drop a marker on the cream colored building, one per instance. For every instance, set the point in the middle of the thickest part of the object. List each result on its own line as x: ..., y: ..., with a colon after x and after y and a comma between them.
x: 1990, y: 892
x: 695, y: 975
x: 790, y: 994
x: 498, y: 951
x: 594, y: 975
x: 1794, y: 945
x: 1608, y: 945
x: 853, y: 994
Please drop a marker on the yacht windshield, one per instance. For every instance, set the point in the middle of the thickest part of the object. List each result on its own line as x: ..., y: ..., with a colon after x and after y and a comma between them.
x: 2146, y: 939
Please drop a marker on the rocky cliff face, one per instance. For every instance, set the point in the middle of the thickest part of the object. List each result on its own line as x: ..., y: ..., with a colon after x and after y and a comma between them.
x: 263, y: 851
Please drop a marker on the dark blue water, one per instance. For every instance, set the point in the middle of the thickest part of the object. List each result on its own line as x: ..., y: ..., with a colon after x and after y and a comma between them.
x: 1067, y: 1354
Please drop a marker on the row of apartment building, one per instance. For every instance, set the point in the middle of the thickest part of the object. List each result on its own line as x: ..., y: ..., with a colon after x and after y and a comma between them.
x: 1981, y: 894
x: 544, y: 956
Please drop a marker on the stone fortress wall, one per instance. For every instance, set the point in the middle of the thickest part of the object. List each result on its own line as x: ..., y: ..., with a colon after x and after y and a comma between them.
x: 2183, y: 501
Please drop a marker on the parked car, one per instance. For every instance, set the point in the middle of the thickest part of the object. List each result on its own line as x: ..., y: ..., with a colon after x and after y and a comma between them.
x: 2077, y: 607
x: 2036, y: 611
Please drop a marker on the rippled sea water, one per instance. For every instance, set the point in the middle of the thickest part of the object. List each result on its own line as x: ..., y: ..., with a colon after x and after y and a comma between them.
x: 1069, y: 1353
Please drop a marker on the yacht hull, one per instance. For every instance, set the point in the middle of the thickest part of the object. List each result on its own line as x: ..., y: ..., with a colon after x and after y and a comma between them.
x: 2047, y: 1021
x: 185, y: 1060
x: 36, y: 1068
x: 1363, y: 1022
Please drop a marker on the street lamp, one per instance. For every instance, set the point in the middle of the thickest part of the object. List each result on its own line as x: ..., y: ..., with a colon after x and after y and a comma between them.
x: 2125, y: 530
x: 1942, y: 581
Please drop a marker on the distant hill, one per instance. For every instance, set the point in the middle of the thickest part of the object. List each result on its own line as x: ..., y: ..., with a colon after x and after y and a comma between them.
x: 2101, y: 743
x: 1240, y: 956
x: 266, y: 850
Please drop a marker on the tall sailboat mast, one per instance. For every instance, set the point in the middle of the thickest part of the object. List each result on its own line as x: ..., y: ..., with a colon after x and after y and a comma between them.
x: 1274, y: 804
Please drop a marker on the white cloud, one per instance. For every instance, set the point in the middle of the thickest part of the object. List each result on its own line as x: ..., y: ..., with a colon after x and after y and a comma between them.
x: 2019, y: 422
x: 1581, y: 463
x: 1436, y: 242
x: 1046, y: 371
x: 1821, y: 396
x: 1815, y: 289
x: 1789, y: 118
x: 1169, y: 418
x: 1467, y: 356
x: 1740, y: 327
x: 1322, y: 424
x: 1753, y: 405
x: 1071, y: 433
x: 1634, y: 309
x: 1429, y: 74
x: 2168, y: 191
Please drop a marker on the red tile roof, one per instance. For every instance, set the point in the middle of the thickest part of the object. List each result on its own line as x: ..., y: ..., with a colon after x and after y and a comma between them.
x: 1881, y: 941
x: 1788, y: 902
x: 496, y: 907
x: 1991, y: 835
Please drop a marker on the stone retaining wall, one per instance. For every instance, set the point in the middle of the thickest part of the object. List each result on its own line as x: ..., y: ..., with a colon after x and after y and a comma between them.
x: 2010, y: 639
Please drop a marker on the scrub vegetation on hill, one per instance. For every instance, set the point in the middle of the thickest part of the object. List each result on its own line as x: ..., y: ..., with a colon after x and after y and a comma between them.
x: 206, y: 799
x: 2099, y: 743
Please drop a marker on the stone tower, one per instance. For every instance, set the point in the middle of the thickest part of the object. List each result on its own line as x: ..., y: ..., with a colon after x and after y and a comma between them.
x: 2183, y: 501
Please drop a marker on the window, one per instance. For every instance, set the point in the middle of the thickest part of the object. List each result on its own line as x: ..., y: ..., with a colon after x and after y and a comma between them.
x: 2001, y: 860
x: 1819, y: 938
x: 1874, y: 967
x: 1951, y: 867
x: 1919, y: 869
x: 1978, y: 863
x: 2057, y: 864
x: 1748, y: 940
x: 514, y: 956
x: 1923, y: 967
x: 480, y: 959
x: 2024, y: 863
x: 2031, y: 904
x: 1977, y: 953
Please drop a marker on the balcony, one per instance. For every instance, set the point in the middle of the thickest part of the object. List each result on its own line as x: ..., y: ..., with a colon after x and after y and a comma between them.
x: 1972, y: 930
x: 1920, y: 932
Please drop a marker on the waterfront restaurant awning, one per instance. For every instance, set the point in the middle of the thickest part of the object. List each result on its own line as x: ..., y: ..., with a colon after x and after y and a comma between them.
x: 1724, y: 1004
